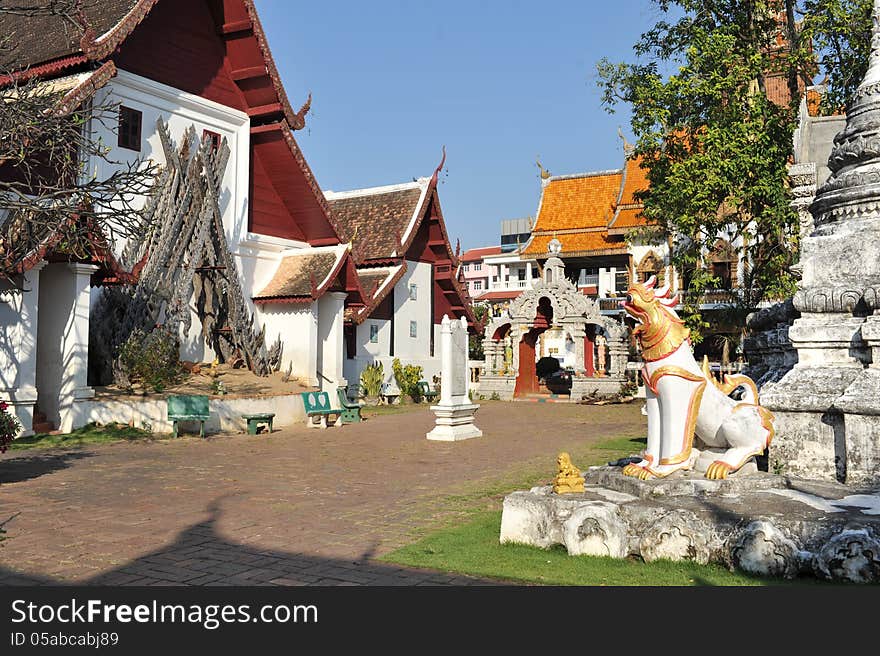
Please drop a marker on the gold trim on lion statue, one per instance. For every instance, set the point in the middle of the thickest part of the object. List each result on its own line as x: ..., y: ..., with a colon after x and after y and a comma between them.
x: 684, y: 399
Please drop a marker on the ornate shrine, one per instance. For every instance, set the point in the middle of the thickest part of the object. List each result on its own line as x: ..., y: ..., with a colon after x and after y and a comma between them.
x: 509, y: 343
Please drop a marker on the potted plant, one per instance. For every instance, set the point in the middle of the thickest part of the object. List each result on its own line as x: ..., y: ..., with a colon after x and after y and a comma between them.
x: 371, y: 382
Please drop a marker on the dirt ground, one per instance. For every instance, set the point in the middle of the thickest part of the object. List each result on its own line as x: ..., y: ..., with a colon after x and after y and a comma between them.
x: 238, y: 382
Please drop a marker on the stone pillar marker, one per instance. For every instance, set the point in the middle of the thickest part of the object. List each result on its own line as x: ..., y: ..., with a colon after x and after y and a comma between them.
x: 455, y: 412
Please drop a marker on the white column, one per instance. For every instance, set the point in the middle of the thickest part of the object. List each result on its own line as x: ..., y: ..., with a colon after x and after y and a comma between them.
x: 18, y: 352
x: 314, y: 346
x: 75, y: 349
x: 528, y: 275
x: 331, y: 320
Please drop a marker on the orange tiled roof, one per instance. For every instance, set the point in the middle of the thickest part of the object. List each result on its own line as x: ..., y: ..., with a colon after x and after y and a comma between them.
x: 629, y: 218
x: 579, y: 202
x: 629, y: 211
x: 636, y: 180
x: 577, y: 242
x: 572, y: 208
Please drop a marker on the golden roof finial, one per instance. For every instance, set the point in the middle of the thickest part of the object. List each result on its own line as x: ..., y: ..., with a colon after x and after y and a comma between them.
x: 628, y: 148
x: 545, y: 174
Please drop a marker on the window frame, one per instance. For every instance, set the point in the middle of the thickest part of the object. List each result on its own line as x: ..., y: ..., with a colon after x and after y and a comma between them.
x: 127, y: 137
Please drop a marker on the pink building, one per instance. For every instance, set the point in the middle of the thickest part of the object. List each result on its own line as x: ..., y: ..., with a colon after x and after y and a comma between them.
x: 478, y: 275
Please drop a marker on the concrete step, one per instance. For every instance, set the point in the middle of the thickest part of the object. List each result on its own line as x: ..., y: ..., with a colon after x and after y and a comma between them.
x: 544, y: 398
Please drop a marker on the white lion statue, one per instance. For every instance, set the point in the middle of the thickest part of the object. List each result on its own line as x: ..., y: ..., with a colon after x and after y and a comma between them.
x: 684, y: 399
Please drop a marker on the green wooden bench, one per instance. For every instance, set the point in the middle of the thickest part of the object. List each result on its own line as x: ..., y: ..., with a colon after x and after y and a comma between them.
x: 351, y: 411
x: 184, y: 407
x: 317, y: 406
x: 254, y: 421
x: 426, y: 391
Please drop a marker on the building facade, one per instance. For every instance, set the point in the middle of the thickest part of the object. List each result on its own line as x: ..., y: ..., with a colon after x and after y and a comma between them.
x: 275, y: 219
x: 409, y: 274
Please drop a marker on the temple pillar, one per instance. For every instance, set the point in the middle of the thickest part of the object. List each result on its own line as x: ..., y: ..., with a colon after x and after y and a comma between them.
x: 18, y: 352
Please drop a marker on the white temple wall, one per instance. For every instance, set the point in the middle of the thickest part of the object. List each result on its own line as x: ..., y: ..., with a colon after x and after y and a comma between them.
x: 297, y: 323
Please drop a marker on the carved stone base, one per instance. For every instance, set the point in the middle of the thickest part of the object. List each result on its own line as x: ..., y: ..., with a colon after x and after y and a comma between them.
x: 454, y: 423
x: 759, y: 523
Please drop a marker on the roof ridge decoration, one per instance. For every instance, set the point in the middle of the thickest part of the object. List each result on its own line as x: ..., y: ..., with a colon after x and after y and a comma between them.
x: 97, y: 47
x: 623, y: 173
x: 439, y: 168
x: 375, y: 191
x: 587, y: 174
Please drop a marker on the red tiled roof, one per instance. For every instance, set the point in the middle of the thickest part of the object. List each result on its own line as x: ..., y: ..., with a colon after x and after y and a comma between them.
x: 38, y: 39
x: 375, y: 221
x: 499, y: 295
x: 475, y: 254
x: 299, y: 276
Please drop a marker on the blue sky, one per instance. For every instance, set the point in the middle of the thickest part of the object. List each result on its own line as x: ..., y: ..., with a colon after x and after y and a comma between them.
x: 497, y: 82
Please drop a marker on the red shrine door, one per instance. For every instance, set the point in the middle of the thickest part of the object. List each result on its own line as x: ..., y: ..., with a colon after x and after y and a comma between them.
x: 527, y: 378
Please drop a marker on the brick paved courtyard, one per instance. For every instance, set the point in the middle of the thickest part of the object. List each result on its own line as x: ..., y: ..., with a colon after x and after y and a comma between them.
x: 297, y: 507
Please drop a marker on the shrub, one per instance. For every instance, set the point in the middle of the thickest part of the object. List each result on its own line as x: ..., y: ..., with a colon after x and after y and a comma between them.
x: 151, y: 358
x: 371, y: 379
x: 9, y: 427
x: 407, y: 378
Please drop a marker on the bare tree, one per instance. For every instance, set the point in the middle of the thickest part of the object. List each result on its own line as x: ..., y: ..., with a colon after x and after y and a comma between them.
x: 49, y: 199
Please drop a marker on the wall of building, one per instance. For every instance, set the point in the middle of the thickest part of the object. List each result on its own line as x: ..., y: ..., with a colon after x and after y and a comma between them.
x: 419, y: 311
x: 180, y: 110
x: 297, y: 323
x: 409, y: 350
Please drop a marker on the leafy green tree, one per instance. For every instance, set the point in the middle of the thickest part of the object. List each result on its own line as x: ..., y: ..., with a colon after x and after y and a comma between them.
x: 715, y: 145
x: 840, y: 32
x: 475, y: 341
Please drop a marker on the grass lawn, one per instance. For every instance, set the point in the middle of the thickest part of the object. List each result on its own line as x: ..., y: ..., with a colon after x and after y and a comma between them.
x: 394, y: 409
x: 464, y: 539
x: 474, y: 549
x: 89, y: 434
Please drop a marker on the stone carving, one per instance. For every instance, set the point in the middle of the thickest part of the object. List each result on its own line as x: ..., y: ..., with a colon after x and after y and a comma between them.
x: 678, y: 535
x: 764, y: 550
x: 853, y: 555
x: 829, y: 299
x: 600, y: 355
x: 684, y: 400
x: 595, y: 529
x: 763, y: 524
x: 568, y: 477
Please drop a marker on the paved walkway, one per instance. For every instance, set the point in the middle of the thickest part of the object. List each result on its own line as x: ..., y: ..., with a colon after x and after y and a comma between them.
x: 297, y: 507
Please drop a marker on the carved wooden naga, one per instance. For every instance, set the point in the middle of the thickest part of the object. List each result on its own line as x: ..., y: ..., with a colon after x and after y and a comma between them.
x: 684, y: 399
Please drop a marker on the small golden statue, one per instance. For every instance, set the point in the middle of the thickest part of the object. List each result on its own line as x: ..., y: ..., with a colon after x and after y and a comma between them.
x: 569, y: 478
